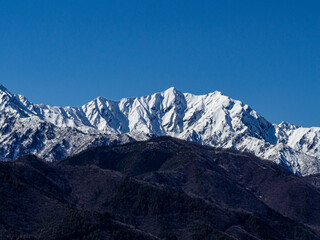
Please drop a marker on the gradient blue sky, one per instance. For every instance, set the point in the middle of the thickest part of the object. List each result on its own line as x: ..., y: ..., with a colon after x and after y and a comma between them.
x: 264, y: 53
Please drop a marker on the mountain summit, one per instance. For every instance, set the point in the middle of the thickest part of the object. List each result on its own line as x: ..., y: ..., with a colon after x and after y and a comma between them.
x: 53, y: 132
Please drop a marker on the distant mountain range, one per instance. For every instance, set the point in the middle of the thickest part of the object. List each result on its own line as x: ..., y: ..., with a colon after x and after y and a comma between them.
x: 53, y: 132
x: 162, y: 188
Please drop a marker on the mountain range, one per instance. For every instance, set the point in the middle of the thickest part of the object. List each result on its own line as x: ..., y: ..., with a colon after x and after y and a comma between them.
x: 53, y: 132
x: 162, y: 188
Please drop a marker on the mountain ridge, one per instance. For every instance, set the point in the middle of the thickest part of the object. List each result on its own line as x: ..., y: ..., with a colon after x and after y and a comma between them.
x: 162, y: 188
x: 211, y: 119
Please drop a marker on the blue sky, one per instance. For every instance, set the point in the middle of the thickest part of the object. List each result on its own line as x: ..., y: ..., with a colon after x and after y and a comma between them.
x: 264, y: 53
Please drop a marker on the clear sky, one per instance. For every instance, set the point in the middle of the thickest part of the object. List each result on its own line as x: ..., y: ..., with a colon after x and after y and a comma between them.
x: 264, y: 53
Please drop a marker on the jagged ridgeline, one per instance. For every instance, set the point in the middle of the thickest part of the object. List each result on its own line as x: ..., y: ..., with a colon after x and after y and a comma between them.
x: 53, y: 133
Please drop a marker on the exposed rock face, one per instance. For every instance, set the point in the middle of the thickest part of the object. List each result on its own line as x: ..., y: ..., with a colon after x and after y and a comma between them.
x: 213, y: 119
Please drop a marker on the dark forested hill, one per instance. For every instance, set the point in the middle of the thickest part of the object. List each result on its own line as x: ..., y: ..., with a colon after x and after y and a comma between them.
x: 162, y: 188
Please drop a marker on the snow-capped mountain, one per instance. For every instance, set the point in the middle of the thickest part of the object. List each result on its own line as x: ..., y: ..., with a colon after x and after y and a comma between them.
x: 214, y: 119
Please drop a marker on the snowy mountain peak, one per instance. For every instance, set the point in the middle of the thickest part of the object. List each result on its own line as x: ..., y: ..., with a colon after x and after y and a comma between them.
x: 5, y: 95
x: 172, y: 90
x: 288, y: 126
x: 212, y: 119
x: 13, y: 104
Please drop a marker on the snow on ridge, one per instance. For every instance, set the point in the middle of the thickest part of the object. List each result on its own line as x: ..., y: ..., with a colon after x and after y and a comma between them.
x: 212, y: 119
